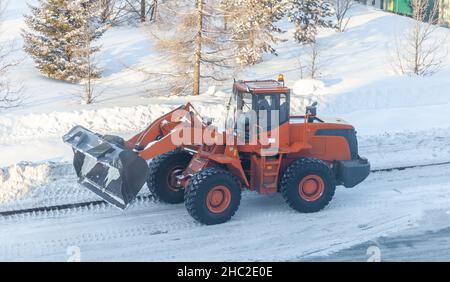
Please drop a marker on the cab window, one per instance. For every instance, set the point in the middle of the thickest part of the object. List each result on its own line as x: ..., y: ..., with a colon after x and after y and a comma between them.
x: 266, y: 102
x: 284, y: 108
x: 246, y: 102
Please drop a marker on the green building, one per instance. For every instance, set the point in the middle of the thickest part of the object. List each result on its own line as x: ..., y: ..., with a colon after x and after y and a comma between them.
x: 445, y: 14
x: 403, y: 7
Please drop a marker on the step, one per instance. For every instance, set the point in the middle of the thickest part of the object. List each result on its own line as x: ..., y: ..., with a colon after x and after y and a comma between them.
x: 270, y: 173
x: 270, y: 186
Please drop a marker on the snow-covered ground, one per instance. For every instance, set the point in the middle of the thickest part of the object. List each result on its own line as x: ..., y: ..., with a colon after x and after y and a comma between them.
x: 264, y: 228
x: 357, y: 84
x: 400, y: 120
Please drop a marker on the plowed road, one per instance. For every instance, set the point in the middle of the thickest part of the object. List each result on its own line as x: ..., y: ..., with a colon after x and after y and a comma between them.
x: 264, y: 228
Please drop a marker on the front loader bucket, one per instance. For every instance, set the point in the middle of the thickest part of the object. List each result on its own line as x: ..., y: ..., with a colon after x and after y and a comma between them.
x: 108, y: 169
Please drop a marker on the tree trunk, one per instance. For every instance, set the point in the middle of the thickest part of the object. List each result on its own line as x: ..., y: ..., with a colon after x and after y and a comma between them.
x: 154, y: 11
x: 198, y: 48
x: 143, y: 11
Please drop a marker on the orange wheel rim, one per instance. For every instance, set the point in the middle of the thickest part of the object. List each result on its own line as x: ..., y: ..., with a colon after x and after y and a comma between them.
x: 311, y: 188
x: 218, y: 199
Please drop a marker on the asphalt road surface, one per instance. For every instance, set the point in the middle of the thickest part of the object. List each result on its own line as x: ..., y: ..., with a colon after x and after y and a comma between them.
x: 417, y: 244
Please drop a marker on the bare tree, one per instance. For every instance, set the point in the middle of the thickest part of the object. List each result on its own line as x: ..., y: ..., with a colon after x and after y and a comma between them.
x: 142, y: 9
x: 10, y: 92
x: 191, y: 35
x: 198, y: 47
x: 154, y: 11
x: 314, y: 60
x: 89, y: 72
x: 311, y: 64
x: 421, y: 51
x: 113, y: 12
x: 341, y: 8
x: 107, y: 10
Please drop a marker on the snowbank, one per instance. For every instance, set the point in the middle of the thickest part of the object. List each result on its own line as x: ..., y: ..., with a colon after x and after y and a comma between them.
x: 16, y: 181
x: 33, y: 185
x: 307, y: 87
x: 29, y: 185
x: 106, y: 120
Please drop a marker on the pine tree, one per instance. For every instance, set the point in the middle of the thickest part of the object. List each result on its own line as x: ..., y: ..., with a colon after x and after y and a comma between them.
x: 252, y: 25
x: 56, y: 38
x: 308, y: 16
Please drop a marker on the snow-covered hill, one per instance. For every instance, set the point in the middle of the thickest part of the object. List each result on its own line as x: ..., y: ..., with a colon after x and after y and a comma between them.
x: 357, y: 83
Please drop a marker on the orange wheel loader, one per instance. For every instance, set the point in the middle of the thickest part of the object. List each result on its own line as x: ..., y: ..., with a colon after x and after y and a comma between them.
x: 184, y: 158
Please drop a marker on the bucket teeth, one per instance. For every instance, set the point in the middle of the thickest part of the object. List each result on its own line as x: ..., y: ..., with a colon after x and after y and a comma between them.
x: 115, y: 174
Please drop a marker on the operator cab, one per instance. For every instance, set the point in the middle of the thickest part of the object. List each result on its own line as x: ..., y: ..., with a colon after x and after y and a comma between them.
x: 262, y: 102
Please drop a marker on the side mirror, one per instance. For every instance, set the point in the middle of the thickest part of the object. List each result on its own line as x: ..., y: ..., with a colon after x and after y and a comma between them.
x: 312, y: 111
x: 208, y: 121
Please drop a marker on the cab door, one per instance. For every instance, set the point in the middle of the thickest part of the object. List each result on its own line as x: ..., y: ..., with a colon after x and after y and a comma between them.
x: 272, y: 110
x: 273, y: 117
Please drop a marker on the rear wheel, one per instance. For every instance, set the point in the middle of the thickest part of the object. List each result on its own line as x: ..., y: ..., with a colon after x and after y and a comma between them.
x: 163, y: 172
x: 212, y: 196
x: 308, y: 185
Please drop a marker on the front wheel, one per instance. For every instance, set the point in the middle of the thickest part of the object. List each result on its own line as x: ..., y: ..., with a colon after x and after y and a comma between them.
x: 212, y: 196
x: 163, y: 172
x: 308, y: 185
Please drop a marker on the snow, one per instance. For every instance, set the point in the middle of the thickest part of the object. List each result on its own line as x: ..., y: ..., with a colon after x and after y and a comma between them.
x: 16, y: 180
x: 150, y: 231
x: 401, y: 120
x: 304, y: 87
x: 357, y: 84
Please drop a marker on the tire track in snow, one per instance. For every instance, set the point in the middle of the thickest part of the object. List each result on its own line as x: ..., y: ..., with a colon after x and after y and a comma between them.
x: 407, y: 167
x: 166, y: 232
x: 90, y: 204
x: 172, y: 223
x: 47, y: 209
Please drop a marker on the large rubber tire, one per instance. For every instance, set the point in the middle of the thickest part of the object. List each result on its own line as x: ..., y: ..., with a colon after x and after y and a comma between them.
x: 161, y: 173
x: 308, y: 185
x: 200, y: 196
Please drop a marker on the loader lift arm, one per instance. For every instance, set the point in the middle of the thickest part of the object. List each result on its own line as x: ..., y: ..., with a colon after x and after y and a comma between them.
x: 117, y: 171
x: 157, y: 139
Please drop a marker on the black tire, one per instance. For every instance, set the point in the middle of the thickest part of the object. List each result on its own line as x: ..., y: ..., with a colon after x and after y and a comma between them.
x: 298, y: 173
x: 202, y: 185
x: 159, y: 179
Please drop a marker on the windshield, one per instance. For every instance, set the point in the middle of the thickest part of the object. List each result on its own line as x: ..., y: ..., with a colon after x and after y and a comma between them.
x: 246, y: 104
x: 240, y: 103
x: 231, y: 112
